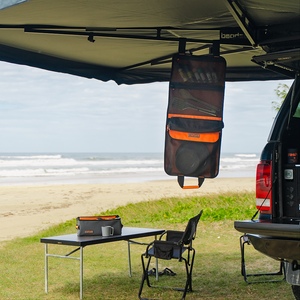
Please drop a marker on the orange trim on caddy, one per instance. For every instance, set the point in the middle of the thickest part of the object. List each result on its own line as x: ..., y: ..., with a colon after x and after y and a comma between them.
x: 108, y: 217
x: 97, y: 218
x: 194, y: 117
x: 87, y: 218
x: 195, y: 137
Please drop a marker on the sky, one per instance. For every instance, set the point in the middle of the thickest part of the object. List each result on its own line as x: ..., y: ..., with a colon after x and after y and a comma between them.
x: 43, y: 111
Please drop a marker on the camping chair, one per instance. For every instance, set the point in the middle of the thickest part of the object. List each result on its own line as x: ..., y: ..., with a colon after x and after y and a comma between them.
x: 244, y: 240
x: 176, y: 243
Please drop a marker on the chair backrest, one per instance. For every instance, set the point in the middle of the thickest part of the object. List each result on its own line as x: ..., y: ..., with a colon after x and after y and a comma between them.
x: 190, y: 230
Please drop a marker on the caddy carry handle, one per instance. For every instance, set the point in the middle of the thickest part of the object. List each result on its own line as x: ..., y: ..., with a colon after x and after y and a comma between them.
x: 180, y: 180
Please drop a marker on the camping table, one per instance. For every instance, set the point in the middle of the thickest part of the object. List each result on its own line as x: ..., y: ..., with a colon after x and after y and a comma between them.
x: 128, y: 233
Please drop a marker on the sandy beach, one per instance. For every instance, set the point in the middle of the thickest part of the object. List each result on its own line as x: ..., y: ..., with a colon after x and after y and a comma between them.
x: 24, y: 210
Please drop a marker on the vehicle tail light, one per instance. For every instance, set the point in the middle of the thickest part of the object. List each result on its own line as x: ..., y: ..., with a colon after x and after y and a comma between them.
x: 263, y: 187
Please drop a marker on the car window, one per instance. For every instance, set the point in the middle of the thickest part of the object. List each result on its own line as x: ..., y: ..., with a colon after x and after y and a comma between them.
x: 297, y: 112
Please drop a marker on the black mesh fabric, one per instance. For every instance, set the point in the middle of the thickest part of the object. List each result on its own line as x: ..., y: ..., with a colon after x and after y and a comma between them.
x: 194, y: 125
x: 191, y: 228
x: 172, y: 247
x: 174, y: 236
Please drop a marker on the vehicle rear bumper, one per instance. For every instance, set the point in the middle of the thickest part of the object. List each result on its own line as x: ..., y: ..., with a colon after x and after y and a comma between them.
x: 269, y: 228
x: 277, y: 248
x: 277, y: 240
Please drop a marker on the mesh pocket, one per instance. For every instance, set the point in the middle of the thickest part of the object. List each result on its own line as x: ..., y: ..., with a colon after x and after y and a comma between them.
x: 163, y: 250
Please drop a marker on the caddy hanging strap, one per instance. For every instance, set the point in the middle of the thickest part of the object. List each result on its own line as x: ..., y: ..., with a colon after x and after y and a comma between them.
x: 180, y: 180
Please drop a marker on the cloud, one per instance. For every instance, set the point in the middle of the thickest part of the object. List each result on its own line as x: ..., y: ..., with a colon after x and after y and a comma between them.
x: 91, y: 115
x: 52, y: 112
x: 248, y: 115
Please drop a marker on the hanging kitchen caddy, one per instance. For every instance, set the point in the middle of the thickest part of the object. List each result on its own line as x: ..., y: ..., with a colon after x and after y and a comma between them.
x: 195, y: 117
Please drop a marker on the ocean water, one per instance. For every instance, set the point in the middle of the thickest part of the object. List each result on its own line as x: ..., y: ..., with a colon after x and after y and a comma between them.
x: 64, y: 168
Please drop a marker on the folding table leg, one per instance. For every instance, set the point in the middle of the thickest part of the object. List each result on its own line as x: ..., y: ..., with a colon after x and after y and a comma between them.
x: 129, y: 259
x: 46, y: 268
x: 156, y: 265
x: 81, y: 272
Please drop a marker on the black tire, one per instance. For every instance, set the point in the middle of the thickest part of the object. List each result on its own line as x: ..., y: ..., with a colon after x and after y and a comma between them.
x: 296, y: 291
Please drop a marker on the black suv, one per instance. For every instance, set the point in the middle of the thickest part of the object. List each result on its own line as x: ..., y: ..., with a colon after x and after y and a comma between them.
x: 276, y: 231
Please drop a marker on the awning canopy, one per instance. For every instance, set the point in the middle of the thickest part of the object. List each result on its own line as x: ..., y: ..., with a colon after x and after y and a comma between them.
x: 133, y: 41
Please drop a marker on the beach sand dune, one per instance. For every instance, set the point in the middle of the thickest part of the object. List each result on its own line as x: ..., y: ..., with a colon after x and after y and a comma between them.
x: 24, y: 210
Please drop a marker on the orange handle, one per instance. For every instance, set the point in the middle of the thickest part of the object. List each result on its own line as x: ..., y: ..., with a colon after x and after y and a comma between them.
x: 180, y: 180
x: 190, y: 187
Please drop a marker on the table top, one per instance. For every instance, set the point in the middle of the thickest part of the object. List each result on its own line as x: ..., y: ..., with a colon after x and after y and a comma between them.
x: 127, y: 233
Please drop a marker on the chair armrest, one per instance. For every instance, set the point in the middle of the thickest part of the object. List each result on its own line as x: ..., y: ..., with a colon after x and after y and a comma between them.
x: 160, y: 237
x: 147, y: 249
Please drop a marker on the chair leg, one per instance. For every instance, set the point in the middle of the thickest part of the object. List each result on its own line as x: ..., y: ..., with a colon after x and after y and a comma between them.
x: 188, y: 280
x: 191, y: 270
x: 244, y: 240
x: 188, y: 284
x: 141, y: 286
x: 145, y: 276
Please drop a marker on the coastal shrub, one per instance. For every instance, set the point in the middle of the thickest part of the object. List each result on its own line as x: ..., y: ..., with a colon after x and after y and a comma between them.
x: 229, y: 206
x: 174, y: 210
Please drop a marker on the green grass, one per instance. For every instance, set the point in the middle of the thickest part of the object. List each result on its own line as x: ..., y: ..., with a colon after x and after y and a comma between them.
x: 180, y: 210
x: 216, y: 271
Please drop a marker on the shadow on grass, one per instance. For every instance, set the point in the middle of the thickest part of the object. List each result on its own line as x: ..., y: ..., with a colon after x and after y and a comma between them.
x: 213, y: 278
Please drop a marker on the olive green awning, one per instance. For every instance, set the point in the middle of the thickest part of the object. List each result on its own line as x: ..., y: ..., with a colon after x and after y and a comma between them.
x: 133, y: 41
